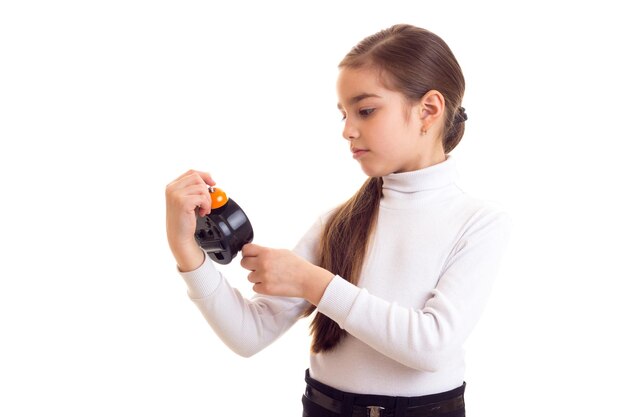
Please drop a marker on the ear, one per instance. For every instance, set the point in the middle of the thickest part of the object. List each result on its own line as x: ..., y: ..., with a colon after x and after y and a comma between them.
x: 431, y: 109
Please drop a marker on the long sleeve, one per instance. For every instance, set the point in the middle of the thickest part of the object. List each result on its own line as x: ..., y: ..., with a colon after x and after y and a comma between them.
x: 425, y: 337
x: 246, y: 326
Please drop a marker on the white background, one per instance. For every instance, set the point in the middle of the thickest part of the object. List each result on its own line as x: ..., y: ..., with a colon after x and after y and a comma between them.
x: 103, y: 103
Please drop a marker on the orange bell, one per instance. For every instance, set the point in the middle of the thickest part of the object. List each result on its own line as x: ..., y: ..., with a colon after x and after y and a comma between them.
x: 218, y: 197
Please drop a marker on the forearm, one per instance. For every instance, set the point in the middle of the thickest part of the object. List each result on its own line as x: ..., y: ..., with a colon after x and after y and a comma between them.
x: 420, y: 339
x: 245, y: 326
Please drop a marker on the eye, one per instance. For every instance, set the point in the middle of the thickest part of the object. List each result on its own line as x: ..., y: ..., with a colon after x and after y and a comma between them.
x: 366, y: 112
x: 343, y: 116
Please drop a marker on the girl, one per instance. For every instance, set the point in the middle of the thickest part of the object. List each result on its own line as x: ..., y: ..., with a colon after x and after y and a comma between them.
x: 398, y: 274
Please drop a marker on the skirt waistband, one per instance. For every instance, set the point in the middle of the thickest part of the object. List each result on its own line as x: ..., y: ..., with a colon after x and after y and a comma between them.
x: 349, y: 404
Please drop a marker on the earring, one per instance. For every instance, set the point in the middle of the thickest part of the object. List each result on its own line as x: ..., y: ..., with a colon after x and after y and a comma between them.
x: 423, y: 132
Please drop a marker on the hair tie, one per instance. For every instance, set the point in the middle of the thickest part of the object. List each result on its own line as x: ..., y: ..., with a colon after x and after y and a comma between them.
x: 461, y: 116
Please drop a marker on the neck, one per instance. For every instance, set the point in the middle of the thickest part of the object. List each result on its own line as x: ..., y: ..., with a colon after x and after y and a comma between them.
x: 426, y: 159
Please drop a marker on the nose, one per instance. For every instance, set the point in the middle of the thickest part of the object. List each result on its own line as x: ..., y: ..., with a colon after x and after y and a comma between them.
x: 350, y: 131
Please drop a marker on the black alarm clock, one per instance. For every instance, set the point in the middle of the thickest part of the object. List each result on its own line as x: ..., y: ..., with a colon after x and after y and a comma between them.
x: 223, y: 232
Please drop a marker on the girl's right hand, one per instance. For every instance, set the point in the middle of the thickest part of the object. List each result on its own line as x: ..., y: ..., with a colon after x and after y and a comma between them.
x: 183, y: 196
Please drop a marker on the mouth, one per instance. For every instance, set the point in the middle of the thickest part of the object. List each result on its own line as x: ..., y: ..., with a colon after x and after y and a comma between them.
x: 357, y: 152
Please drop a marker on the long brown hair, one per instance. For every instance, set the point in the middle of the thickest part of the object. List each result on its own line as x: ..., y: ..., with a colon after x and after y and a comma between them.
x: 412, y: 61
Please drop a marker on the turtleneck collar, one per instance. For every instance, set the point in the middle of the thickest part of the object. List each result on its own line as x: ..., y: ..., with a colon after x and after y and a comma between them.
x: 406, y: 185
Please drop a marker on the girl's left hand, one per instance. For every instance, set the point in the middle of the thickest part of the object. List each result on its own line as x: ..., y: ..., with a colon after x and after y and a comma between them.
x: 283, y: 273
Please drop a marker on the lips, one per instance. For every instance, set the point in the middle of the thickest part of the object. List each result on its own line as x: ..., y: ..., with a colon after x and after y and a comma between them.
x: 358, y: 152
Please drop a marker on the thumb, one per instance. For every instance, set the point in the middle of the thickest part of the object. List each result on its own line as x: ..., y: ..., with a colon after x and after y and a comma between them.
x: 251, y: 249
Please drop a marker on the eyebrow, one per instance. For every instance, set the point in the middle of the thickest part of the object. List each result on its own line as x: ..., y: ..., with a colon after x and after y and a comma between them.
x: 358, y: 98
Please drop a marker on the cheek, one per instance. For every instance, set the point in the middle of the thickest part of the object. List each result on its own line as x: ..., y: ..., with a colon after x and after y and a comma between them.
x: 382, y: 132
x: 392, y: 138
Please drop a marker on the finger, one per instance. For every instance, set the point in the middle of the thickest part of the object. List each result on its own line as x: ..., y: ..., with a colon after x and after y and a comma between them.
x: 204, y: 207
x: 184, y: 185
x: 249, y: 263
x: 191, y: 197
x: 258, y: 288
x: 203, y: 204
x: 196, y: 189
x: 253, y: 277
x: 206, y: 177
x: 251, y: 249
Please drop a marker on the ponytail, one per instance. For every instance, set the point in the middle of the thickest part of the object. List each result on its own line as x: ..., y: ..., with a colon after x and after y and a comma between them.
x: 343, y: 246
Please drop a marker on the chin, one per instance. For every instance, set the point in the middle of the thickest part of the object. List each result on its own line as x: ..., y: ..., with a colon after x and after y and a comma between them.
x: 374, y: 171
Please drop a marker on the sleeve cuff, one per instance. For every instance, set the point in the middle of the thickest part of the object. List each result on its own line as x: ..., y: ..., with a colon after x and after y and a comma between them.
x: 202, y: 282
x: 338, y: 300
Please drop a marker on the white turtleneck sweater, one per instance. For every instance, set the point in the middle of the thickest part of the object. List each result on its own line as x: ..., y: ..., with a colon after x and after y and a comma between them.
x: 425, y: 281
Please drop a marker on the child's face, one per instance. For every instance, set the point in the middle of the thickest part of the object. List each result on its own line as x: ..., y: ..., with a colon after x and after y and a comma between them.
x: 384, y: 131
